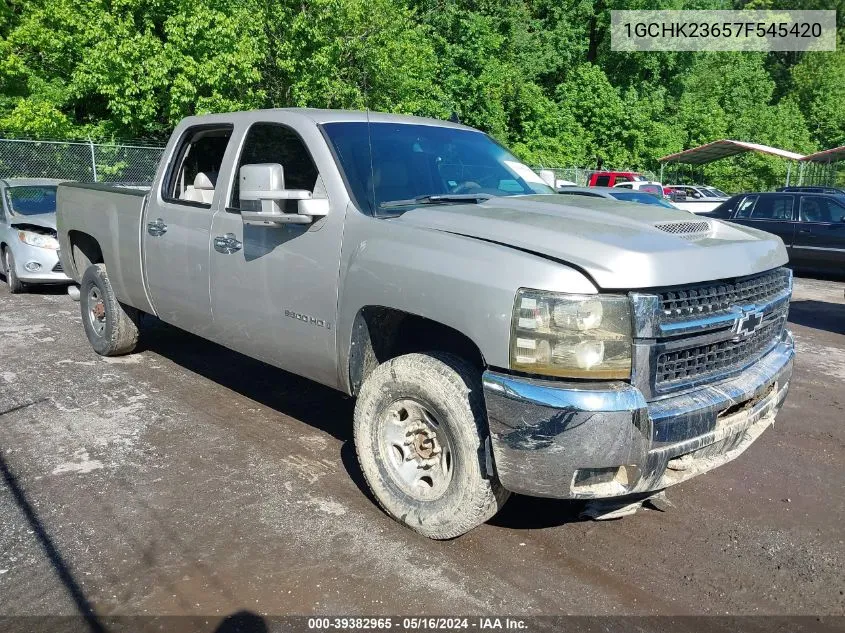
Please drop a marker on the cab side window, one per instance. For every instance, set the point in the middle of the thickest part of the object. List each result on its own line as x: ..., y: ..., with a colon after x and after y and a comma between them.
x: 602, y: 181
x: 192, y: 178
x: 276, y: 143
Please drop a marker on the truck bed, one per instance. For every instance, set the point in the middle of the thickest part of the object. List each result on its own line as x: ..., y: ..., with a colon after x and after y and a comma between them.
x: 112, y: 215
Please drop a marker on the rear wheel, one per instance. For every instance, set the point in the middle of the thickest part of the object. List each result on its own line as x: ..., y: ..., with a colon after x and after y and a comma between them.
x: 111, y: 327
x: 15, y: 284
x: 420, y: 433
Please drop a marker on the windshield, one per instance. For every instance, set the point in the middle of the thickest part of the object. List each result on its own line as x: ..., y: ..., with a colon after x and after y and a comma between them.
x: 717, y: 192
x: 642, y: 198
x: 656, y: 190
x: 391, y: 167
x: 33, y: 200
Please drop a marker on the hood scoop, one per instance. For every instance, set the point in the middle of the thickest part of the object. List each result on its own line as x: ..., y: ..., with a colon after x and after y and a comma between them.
x: 689, y: 230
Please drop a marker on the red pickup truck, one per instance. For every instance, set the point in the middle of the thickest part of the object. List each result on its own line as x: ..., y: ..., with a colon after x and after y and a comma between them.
x: 611, y: 178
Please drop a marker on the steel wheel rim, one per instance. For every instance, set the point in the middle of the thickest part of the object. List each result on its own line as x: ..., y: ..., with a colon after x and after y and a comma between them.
x: 10, y: 272
x: 96, y: 311
x: 416, y: 450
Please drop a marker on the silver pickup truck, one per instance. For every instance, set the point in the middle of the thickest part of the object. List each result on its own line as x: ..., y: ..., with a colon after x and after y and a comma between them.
x: 498, y: 337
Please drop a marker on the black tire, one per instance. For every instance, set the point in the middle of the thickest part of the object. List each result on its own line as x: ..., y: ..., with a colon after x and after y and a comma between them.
x: 448, y: 389
x: 116, y: 329
x: 16, y: 286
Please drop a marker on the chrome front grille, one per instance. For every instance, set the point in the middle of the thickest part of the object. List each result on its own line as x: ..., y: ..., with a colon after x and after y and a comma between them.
x: 701, y: 362
x: 719, y: 297
x: 699, y: 334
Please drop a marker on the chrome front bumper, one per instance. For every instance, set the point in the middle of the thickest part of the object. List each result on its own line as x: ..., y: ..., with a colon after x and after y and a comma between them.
x: 596, y: 440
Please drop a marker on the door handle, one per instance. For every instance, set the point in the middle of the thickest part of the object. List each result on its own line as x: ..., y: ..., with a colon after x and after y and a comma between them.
x: 157, y: 228
x: 227, y: 244
x: 807, y: 231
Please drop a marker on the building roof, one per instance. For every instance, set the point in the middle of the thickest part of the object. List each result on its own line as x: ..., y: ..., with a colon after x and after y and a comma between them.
x: 833, y: 155
x: 722, y: 149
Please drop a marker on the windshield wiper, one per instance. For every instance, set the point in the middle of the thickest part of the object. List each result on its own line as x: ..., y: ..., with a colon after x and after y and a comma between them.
x: 444, y: 198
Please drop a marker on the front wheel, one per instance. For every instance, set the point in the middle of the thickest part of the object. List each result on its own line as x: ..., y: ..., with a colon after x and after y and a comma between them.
x: 111, y: 327
x: 15, y: 284
x: 420, y: 430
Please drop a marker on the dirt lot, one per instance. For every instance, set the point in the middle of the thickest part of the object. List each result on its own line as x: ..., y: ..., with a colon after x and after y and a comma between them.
x: 188, y: 479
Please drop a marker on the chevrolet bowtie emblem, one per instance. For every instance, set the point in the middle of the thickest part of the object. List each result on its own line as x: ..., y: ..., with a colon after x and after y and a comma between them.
x: 747, y: 323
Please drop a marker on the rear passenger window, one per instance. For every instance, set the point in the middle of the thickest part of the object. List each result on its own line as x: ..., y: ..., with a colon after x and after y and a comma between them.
x: 773, y: 208
x: 822, y: 210
x: 745, y: 205
x: 602, y: 181
x: 276, y: 143
x: 192, y: 177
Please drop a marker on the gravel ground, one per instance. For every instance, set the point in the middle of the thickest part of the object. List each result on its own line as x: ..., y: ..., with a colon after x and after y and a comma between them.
x: 188, y: 479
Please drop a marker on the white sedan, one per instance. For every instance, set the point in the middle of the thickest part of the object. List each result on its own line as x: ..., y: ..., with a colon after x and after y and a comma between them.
x: 700, y: 198
x: 28, y: 244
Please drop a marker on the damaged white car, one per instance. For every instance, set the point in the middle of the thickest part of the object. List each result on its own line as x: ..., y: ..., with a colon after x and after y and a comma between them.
x: 29, y: 250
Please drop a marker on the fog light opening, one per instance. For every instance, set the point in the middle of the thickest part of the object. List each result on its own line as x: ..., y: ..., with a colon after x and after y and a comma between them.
x: 32, y: 267
x: 605, y: 482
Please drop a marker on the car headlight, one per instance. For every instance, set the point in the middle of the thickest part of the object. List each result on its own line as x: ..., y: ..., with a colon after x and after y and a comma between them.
x: 39, y: 240
x: 572, y: 336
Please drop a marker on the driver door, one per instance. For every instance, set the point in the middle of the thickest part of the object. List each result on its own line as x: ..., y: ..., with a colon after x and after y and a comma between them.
x: 274, y: 289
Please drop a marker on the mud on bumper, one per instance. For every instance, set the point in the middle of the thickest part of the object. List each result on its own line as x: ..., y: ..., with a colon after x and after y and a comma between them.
x: 599, y: 440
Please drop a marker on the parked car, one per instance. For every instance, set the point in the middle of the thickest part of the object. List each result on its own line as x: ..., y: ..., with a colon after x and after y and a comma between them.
x: 814, y: 189
x: 699, y: 198
x: 811, y: 225
x: 674, y: 195
x: 617, y: 193
x: 611, y: 178
x: 646, y: 186
x: 497, y: 336
x: 28, y: 244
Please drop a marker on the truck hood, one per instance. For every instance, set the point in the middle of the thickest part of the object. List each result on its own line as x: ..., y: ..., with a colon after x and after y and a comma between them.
x: 619, y: 245
x: 42, y: 220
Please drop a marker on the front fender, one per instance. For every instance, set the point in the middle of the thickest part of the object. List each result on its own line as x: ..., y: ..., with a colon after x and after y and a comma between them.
x: 457, y: 281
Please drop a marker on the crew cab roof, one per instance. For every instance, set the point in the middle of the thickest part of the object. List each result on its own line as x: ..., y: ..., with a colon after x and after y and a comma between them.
x: 320, y: 116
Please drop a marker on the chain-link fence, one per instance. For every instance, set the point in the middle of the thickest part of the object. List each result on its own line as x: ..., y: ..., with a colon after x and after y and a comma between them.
x: 86, y: 162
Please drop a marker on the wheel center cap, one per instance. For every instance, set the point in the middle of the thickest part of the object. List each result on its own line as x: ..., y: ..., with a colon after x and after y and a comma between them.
x: 423, y: 444
x: 99, y: 310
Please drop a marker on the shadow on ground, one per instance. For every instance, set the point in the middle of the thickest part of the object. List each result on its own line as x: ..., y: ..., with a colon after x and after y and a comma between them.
x: 57, y: 561
x: 318, y: 406
x: 533, y: 513
x: 40, y: 289
x: 819, y: 315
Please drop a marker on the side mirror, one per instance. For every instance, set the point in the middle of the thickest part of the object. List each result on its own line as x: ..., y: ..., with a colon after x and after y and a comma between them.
x: 263, y: 194
x: 696, y: 195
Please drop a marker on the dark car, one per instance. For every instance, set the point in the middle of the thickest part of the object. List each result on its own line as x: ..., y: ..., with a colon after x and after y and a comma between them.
x: 811, y: 225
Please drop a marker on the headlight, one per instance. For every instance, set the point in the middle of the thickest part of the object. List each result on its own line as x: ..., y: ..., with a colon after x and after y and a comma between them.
x: 572, y: 336
x: 39, y: 240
